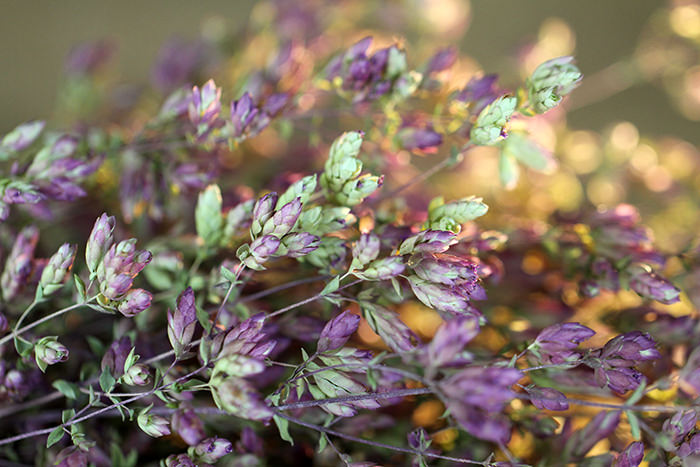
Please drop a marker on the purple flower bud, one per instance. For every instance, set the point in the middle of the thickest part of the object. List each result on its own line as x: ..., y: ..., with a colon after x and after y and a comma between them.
x: 366, y: 249
x: 619, y: 380
x: 442, y: 60
x: 480, y: 92
x: 359, y: 48
x: 21, y: 194
x: 447, y: 346
x: 88, y: 57
x: 275, y: 103
x: 249, y: 338
x: 446, y: 269
x: 337, y: 331
x: 480, y: 423
x: 487, y: 388
x: 690, y: 447
x: 632, y: 455
x: 57, y: 269
x: 189, y: 426
x: 389, y: 327
x: 180, y: 460
x: 115, y: 357
x: 648, y: 284
x: 547, y: 398
x: 71, y: 457
x: 262, y: 212
x: 283, y: 221
x: 18, y: 266
x: 153, y: 425
x: 678, y: 426
x: 206, y: 104
x: 48, y: 351
x: 439, y: 297
x: 135, y: 301
x: 419, y: 138
x: 300, y: 244
x: 182, y: 323
x: 176, y: 105
x: 238, y: 397
x: 555, y: 343
x: 4, y: 324
x: 383, y: 269
x: 212, y: 449
x: 137, y: 375
x: 635, y: 346
x: 428, y: 241
x: 99, y: 242
x: 22, y: 137
x: 260, y: 250
x: 243, y: 114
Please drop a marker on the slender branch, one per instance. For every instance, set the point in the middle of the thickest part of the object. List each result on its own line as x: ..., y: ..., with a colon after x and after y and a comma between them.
x: 36, y: 323
x: 357, y: 397
x: 98, y: 412
x: 308, y: 300
x: 376, y: 444
x: 443, y: 164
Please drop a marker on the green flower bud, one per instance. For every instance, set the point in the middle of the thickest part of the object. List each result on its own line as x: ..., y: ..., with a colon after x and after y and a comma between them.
x: 551, y: 81
x: 56, y: 270
x: 490, y: 125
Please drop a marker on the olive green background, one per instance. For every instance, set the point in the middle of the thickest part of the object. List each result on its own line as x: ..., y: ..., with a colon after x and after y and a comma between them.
x: 35, y: 37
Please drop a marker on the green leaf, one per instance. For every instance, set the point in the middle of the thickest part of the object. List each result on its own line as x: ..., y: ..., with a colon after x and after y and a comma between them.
x: 283, y: 427
x: 637, y: 394
x: 203, y: 318
x: 522, y: 148
x: 130, y: 359
x: 634, y: 424
x: 332, y: 286
x: 23, y: 346
x: 66, y: 415
x: 107, y: 381
x: 96, y: 345
x: 208, y: 218
x: 54, y: 437
x: 80, y: 287
x: 70, y: 390
x: 229, y: 275
x: 322, y: 442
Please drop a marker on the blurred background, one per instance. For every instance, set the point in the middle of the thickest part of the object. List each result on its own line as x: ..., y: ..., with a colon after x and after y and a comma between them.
x: 35, y: 38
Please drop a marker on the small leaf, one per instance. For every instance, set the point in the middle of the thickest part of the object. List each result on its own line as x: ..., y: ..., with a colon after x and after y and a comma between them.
x: 322, y: 442
x: 80, y: 287
x: 23, y: 346
x: 283, y: 427
x: 203, y: 318
x: 634, y: 424
x: 229, y: 275
x: 397, y: 286
x: 70, y: 390
x: 97, y: 347
x: 54, y: 437
x: 637, y: 394
x: 130, y: 360
x: 107, y: 381
x: 66, y: 415
x: 332, y: 286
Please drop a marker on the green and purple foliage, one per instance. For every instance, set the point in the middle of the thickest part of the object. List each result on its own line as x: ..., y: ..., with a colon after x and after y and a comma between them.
x: 302, y: 293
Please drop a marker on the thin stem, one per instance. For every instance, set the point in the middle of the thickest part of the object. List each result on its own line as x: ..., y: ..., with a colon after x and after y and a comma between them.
x: 98, y: 412
x: 279, y: 288
x: 22, y: 317
x: 34, y: 324
x: 443, y: 164
x: 376, y: 444
x: 308, y: 300
x: 357, y: 397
